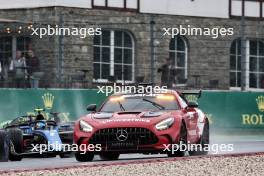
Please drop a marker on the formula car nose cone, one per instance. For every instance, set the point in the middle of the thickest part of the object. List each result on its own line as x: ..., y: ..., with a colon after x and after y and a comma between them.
x: 121, y: 135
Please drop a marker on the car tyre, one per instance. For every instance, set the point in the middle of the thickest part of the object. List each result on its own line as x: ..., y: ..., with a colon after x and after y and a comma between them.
x: 109, y: 156
x: 88, y: 156
x: 204, y: 141
x: 16, y: 138
x: 4, y: 146
x: 182, y: 141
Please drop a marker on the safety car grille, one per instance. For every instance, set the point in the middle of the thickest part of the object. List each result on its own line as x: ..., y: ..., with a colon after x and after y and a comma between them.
x: 138, y: 136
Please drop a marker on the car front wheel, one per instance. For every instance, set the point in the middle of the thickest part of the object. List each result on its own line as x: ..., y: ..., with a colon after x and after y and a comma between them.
x: 203, y: 142
x: 4, y: 146
x: 16, y: 140
x: 182, y: 141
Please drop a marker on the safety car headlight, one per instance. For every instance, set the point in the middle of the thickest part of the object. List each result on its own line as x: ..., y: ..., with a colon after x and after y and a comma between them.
x: 84, y: 126
x: 165, y: 124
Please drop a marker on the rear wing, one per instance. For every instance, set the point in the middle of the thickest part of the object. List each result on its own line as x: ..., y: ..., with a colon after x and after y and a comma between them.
x: 191, y: 95
x: 197, y: 93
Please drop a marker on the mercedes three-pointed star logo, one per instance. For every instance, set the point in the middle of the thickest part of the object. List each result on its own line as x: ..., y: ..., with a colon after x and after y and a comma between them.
x: 121, y: 135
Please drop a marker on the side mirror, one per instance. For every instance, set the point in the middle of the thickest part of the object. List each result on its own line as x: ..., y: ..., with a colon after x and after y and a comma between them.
x: 91, y: 107
x: 192, y: 105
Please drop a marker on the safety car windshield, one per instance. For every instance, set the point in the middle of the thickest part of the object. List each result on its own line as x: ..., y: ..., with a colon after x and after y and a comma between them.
x: 140, y: 103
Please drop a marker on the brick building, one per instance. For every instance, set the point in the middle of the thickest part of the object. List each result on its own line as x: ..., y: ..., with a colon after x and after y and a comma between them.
x: 123, y: 51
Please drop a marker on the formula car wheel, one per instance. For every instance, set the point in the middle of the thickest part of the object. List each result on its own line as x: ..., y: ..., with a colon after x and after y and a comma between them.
x: 109, y: 156
x: 4, y: 146
x: 88, y: 156
x: 204, y: 142
x: 16, y: 139
x: 182, y: 141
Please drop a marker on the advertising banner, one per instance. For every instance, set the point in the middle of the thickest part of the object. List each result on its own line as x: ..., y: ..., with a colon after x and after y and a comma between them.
x: 234, y: 109
x: 69, y: 103
x: 240, y: 110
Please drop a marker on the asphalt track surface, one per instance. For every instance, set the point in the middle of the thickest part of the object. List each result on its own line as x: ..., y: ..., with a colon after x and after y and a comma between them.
x: 240, y: 146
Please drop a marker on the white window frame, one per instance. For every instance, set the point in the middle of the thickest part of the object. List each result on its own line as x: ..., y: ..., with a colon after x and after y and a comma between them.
x: 112, y: 55
x: 255, y: 72
x: 14, y: 45
x: 186, y: 58
x: 247, y: 67
x: 236, y: 70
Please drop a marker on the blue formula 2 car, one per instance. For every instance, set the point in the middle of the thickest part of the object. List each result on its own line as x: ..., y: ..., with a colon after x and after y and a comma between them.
x: 36, y: 136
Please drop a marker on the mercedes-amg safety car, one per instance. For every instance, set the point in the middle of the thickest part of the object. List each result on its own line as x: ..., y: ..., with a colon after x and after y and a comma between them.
x: 142, y: 123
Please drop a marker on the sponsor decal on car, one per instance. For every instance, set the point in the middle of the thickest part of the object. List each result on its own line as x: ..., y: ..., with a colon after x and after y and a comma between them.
x: 125, y: 120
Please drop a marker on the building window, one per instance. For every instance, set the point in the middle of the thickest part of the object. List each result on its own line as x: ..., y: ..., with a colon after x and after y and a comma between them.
x: 22, y: 44
x: 129, y: 5
x: 178, y: 52
x: 114, y: 56
x: 235, y: 64
x: 256, y: 64
x: 254, y: 60
x: 8, y: 46
x: 5, y: 50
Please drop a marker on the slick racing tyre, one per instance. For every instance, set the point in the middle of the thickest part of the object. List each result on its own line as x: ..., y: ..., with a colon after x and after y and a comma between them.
x: 88, y: 156
x: 204, y: 142
x: 4, y: 146
x: 16, y: 140
x: 182, y: 141
x: 109, y: 156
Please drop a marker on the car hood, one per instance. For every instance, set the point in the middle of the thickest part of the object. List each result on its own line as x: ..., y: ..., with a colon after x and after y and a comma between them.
x: 128, y: 119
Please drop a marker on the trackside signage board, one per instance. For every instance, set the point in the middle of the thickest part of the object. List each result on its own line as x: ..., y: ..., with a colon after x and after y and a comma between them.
x: 70, y: 103
x: 234, y: 109
x: 242, y: 110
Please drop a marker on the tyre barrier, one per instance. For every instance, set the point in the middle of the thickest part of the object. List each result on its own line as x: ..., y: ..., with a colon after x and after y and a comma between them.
x: 4, y: 146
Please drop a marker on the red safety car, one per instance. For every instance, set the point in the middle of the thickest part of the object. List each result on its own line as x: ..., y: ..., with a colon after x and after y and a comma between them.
x: 141, y: 123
